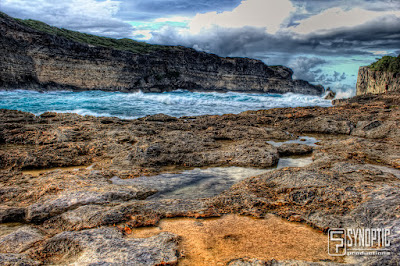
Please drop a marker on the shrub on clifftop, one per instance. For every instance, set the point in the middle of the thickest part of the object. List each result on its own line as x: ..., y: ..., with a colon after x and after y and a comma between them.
x: 387, y: 63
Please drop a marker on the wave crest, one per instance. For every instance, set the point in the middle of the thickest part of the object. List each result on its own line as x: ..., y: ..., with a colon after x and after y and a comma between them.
x: 139, y: 104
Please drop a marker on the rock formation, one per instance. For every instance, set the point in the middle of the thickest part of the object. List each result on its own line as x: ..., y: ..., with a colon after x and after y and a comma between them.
x: 68, y: 216
x: 371, y: 81
x: 329, y: 94
x: 32, y: 59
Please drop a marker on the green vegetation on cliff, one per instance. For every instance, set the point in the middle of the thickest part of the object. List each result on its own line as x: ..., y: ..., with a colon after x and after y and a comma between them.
x: 387, y: 63
x: 119, y: 44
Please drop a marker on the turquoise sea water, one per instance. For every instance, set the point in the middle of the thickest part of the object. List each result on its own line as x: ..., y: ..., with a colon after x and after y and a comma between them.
x: 138, y: 104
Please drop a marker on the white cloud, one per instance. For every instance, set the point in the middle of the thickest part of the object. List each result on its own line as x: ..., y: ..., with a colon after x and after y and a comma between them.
x: 380, y: 52
x: 269, y: 14
x: 142, y: 34
x: 336, y: 18
x: 173, y: 19
x: 89, y: 16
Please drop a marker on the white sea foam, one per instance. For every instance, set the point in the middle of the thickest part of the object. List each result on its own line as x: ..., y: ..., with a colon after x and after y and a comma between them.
x: 342, y: 94
x: 139, y: 104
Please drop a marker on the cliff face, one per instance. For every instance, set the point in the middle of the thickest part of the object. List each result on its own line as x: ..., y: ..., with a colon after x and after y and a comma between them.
x: 31, y: 59
x: 370, y: 81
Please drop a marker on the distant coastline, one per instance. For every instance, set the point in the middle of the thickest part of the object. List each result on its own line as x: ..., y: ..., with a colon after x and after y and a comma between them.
x: 37, y: 56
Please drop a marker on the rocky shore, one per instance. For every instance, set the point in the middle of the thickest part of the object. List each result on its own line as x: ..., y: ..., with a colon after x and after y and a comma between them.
x: 81, y: 216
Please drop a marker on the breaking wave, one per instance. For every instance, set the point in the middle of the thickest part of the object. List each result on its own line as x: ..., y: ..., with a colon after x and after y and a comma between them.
x: 138, y: 104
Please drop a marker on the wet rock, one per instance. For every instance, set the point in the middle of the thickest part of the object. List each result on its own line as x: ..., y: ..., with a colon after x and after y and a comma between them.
x: 294, y: 149
x: 160, y: 118
x: 48, y: 114
x: 329, y: 94
x: 20, y: 240
x: 108, y: 246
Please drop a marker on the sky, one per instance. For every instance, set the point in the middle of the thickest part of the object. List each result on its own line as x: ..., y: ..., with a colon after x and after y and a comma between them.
x: 323, y: 41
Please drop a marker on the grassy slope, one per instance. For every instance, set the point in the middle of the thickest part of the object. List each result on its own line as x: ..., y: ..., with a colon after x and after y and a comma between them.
x: 119, y: 44
x: 387, y: 63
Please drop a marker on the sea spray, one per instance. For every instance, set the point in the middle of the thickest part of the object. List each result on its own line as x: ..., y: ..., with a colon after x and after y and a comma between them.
x: 137, y: 104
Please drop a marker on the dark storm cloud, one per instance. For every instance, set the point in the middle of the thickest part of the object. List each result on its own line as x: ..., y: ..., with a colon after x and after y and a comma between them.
x: 316, y: 6
x: 382, y: 34
x: 330, y: 78
x: 145, y: 10
x: 303, y: 68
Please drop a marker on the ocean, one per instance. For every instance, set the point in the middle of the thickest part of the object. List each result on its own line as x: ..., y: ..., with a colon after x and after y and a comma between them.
x: 138, y: 104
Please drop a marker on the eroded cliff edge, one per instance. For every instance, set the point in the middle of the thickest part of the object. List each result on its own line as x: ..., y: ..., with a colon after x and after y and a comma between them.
x: 382, y: 76
x: 32, y: 59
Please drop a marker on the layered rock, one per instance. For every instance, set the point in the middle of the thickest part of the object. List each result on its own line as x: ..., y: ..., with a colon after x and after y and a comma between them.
x: 31, y: 59
x: 69, y: 214
x: 371, y: 81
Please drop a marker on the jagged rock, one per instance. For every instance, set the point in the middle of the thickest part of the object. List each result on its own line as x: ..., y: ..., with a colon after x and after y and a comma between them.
x: 353, y: 179
x: 371, y: 81
x: 20, y: 240
x: 108, y: 246
x: 329, y: 94
x: 89, y: 216
x: 377, y: 129
x: 310, y: 195
x: 160, y: 118
x: 327, y: 125
x: 47, y: 208
x: 178, y: 147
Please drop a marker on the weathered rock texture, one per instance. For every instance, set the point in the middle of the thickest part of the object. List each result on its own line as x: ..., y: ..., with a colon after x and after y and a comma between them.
x: 32, y: 59
x: 371, y: 81
x: 353, y: 181
x: 106, y: 246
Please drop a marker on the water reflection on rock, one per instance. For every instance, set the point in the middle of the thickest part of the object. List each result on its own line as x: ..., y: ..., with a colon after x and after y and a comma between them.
x: 203, y: 183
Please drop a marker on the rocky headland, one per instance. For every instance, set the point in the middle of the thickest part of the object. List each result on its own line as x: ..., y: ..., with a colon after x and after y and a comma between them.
x: 380, y: 77
x: 78, y: 214
x: 36, y: 56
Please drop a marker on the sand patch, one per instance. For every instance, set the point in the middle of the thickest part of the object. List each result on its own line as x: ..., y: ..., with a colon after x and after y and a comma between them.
x: 217, y: 241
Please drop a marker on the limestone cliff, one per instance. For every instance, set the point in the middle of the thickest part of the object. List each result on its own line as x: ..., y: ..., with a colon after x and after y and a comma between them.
x: 371, y: 81
x: 33, y: 59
